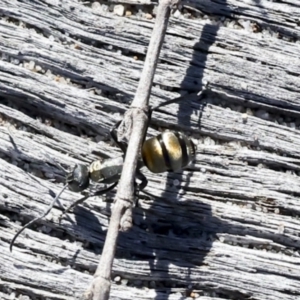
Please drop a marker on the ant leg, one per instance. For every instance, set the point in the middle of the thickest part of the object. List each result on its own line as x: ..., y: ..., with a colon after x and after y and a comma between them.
x: 81, y: 200
x: 143, y: 178
x: 122, y: 145
x: 198, y: 95
x: 141, y: 186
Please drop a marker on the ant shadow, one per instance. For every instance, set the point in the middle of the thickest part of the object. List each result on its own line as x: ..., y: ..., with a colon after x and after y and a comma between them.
x: 196, y: 228
x: 192, y: 236
x: 201, y: 227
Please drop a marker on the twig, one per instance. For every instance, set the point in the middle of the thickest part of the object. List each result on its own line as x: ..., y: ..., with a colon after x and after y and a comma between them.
x: 135, y: 122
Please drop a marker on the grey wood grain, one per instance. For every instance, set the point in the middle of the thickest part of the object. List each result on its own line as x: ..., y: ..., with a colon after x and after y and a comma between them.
x: 227, y: 227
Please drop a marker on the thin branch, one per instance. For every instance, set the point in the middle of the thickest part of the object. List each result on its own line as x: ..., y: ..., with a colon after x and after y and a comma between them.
x: 135, y: 123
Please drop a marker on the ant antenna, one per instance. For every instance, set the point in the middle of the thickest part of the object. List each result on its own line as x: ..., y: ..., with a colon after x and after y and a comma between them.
x: 65, y: 171
x: 57, y: 164
x: 37, y: 218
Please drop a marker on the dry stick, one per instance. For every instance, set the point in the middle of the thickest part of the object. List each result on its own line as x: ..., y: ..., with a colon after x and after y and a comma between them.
x: 137, y: 116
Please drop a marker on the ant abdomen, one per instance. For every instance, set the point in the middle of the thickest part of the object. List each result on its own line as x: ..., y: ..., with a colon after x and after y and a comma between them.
x: 169, y: 151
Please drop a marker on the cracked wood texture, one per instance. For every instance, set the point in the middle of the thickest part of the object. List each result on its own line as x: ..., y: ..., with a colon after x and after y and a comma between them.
x: 227, y: 227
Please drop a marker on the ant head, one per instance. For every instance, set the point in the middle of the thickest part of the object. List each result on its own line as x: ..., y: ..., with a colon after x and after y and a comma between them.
x: 78, y: 179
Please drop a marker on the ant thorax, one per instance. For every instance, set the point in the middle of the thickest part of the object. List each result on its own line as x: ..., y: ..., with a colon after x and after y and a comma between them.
x: 106, y: 171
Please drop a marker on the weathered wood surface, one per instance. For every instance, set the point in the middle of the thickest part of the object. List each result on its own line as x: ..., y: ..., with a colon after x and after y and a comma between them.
x: 225, y: 228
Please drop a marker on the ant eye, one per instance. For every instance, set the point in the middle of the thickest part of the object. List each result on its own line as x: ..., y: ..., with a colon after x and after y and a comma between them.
x: 78, y: 179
